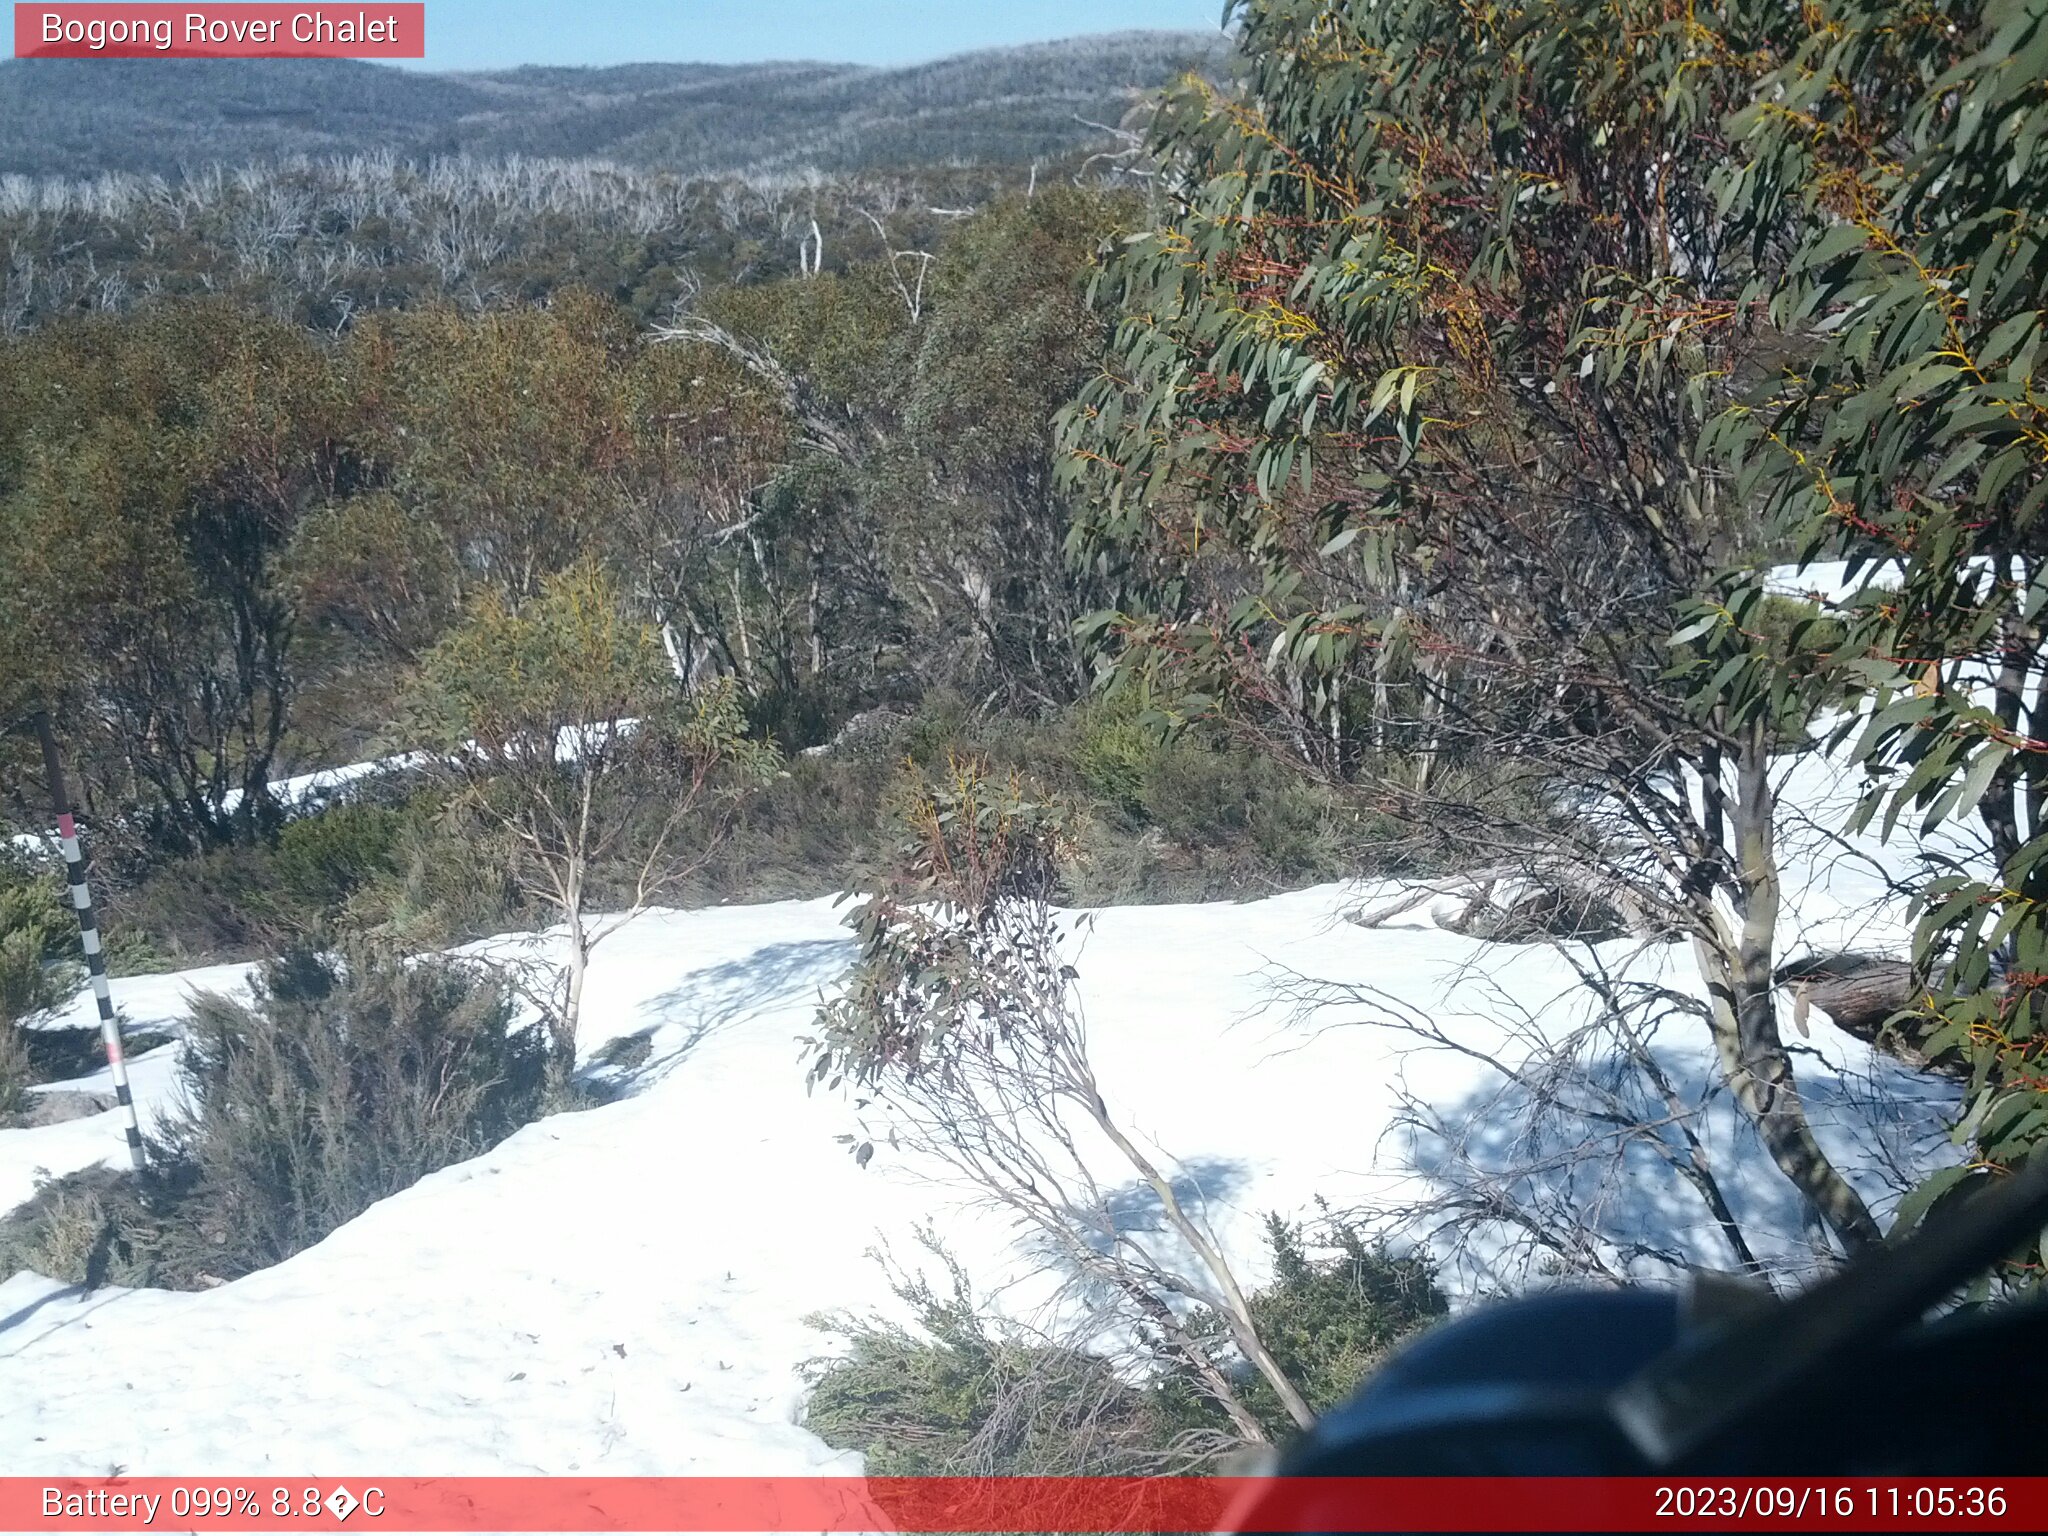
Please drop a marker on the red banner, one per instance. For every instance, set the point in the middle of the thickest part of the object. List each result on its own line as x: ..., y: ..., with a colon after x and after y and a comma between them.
x: 848, y: 1504
x: 360, y: 31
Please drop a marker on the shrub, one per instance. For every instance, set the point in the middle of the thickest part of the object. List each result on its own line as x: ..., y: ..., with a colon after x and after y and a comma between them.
x: 222, y: 904
x: 1117, y: 754
x: 393, y: 856
x: 800, y: 837
x: 1156, y: 819
x: 1330, y: 1320
x: 88, y: 1228
x: 342, y: 1083
x: 38, y: 942
x: 453, y: 880
x: 967, y: 1396
x: 323, y: 860
x: 963, y: 1394
x: 943, y: 726
x: 38, y: 939
x: 14, y: 1070
x: 241, y: 902
x: 134, y: 952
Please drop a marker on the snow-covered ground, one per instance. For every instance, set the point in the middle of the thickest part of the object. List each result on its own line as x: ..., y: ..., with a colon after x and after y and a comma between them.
x: 631, y: 1289
x: 628, y: 1289
x: 305, y: 791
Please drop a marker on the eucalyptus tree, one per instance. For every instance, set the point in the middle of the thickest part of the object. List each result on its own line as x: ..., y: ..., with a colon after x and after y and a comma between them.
x: 1397, y: 458
x: 154, y: 470
x: 568, y: 739
x: 904, y: 530
x: 1909, y: 150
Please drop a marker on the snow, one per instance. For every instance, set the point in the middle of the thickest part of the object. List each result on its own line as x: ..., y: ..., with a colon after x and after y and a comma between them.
x: 630, y: 1289
x: 1826, y: 582
x: 1829, y: 584
x: 302, y: 791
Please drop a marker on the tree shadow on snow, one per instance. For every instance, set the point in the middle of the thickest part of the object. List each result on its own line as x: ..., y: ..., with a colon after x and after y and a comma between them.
x: 1134, y: 1212
x: 715, y: 999
x: 23, y: 1313
x: 1533, y: 1181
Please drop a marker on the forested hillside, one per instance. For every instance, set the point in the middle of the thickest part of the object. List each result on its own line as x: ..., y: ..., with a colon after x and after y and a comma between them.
x: 1010, y: 106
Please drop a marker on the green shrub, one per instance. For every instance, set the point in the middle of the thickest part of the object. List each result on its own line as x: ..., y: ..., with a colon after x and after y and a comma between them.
x: 88, y: 1228
x: 453, y: 881
x: 133, y: 952
x: 243, y: 902
x: 944, y: 725
x: 397, y: 859
x: 15, y: 1078
x: 224, y: 904
x: 325, y: 859
x: 38, y: 942
x: 1190, y: 818
x: 1330, y: 1320
x: 1117, y: 756
x: 963, y: 1394
x: 341, y: 1084
x: 801, y: 836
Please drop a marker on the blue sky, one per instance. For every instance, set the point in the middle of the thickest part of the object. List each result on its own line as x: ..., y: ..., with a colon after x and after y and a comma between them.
x: 493, y: 34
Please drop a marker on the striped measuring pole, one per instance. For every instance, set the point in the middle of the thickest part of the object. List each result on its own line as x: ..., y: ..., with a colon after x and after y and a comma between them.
x: 89, y: 937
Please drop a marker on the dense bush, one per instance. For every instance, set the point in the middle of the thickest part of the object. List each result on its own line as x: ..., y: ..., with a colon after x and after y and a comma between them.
x: 1188, y: 818
x: 1117, y: 755
x: 228, y: 903
x: 324, y: 860
x: 963, y: 1393
x: 1181, y: 818
x: 1329, y: 1320
x: 393, y: 859
x: 340, y: 1084
x: 449, y: 883
x: 38, y: 940
x: 14, y: 1069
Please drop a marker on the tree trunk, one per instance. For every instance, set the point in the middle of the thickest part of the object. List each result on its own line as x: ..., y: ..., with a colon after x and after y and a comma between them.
x: 1735, y: 965
x: 1237, y: 1308
x: 563, y: 1060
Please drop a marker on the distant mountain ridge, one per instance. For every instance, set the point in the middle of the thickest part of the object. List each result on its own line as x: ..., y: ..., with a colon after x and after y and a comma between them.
x: 1012, y: 105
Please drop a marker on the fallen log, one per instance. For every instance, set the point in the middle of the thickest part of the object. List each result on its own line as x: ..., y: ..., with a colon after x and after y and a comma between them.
x: 1534, y: 910
x: 1879, y: 1000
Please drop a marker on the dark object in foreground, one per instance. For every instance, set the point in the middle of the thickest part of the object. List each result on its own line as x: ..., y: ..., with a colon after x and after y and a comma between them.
x: 1845, y: 1379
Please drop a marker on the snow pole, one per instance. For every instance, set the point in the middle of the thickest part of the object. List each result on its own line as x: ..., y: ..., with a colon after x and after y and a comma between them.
x: 89, y: 936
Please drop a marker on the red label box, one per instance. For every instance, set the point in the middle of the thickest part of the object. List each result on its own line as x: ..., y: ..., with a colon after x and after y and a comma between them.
x: 785, y: 1506
x: 370, y: 30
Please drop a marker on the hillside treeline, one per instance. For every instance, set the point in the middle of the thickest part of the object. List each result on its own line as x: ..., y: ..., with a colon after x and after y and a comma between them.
x: 318, y: 242
x: 224, y: 535
x: 1009, y: 106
